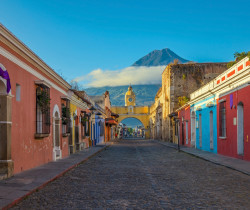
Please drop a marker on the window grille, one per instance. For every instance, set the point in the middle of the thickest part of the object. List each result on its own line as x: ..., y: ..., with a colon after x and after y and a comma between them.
x: 86, y: 125
x: 42, y: 109
x: 66, y: 116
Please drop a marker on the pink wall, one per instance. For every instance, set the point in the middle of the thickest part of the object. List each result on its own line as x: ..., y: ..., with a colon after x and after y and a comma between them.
x: 228, y: 146
x: 28, y: 152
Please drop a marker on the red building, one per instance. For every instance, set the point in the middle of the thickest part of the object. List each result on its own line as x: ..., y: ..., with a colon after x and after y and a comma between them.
x: 184, y: 125
x: 234, y: 122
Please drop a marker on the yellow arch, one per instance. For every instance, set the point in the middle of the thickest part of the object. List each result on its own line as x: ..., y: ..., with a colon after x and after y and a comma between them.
x: 139, y: 112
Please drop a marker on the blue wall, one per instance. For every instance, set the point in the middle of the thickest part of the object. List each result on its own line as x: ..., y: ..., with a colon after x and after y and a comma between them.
x: 205, y: 119
x: 97, y: 131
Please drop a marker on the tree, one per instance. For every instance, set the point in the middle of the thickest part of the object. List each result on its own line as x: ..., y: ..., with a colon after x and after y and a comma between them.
x: 75, y: 85
x: 238, y: 56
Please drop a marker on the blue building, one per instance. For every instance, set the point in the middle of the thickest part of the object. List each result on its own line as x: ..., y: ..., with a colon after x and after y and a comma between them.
x: 98, y: 129
x: 204, y: 125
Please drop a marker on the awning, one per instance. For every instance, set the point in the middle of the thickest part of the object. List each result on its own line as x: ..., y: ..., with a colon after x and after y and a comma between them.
x: 111, y: 122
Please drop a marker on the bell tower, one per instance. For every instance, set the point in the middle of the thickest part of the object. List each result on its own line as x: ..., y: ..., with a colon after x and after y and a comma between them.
x: 130, y: 97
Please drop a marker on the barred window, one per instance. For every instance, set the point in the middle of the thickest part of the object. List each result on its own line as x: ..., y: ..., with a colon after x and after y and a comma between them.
x: 86, y: 124
x: 42, y: 109
x: 66, y: 116
x: 222, y: 119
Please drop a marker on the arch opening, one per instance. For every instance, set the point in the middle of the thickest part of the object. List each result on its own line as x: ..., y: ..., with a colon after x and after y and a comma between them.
x: 133, y: 128
x: 57, y: 154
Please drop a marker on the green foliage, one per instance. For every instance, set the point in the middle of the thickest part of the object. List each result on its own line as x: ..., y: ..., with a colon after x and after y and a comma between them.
x: 182, y: 100
x: 65, y: 115
x: 130, y: 130
x: 84, y: 119
x: 238, y: 57
x: 43, y: 101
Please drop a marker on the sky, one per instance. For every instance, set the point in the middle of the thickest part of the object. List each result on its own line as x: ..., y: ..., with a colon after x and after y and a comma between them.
x: 95, y: 42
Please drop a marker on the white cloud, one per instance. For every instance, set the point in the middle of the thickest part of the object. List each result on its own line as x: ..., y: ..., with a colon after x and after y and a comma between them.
x: 134, y: 75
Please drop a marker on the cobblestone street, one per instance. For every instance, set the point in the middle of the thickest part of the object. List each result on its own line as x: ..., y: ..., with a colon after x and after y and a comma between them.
x: 144, y: 175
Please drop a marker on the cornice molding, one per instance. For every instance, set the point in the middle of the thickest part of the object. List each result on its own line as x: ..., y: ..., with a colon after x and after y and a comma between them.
x: 74, y: 100
x: 26, y: 67
x: 15, y: 44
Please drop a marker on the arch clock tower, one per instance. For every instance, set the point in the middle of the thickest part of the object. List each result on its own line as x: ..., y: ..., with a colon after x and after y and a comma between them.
x: 130, y: 97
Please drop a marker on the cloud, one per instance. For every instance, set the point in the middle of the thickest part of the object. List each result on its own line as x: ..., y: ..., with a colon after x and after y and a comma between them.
x: 134, y: 75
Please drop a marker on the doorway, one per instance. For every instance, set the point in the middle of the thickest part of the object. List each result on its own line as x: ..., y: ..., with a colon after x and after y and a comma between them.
x: 200, y: 131
x: 240, y: 129
x: 57, y: 154
x: 193, y: 129
x: 211, y: 130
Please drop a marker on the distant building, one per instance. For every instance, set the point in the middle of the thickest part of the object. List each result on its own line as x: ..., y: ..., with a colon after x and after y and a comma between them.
x: 178, y: 81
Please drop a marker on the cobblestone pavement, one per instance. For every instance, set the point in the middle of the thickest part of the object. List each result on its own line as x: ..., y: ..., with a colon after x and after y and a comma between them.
x: 144, y: 175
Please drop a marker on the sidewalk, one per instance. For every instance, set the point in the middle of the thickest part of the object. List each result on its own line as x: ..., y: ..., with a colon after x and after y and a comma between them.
x: 229, y: 162
x: 16, y: 188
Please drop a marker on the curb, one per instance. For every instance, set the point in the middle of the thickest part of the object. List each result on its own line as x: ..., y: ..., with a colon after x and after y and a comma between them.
x: 18, y: 200
x: 206, y: 159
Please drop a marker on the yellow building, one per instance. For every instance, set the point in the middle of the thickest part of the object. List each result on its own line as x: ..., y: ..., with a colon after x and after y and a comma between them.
x: 130, y: 98
x: 130, y: 110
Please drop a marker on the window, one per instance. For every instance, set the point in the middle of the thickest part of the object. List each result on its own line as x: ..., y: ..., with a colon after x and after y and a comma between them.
x: 86, y: 124
x: 18, y: 92
x: 222, y: 119
x: 66, y: 116
x: 42, y: 109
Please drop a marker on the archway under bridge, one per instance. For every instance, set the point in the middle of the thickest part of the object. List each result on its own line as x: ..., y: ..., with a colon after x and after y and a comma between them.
x: 133, y: 128
x: 140, y: 113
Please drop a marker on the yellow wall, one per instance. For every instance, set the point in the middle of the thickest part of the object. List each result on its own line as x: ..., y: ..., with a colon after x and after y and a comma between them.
x: 139, y: 112
x: 72, y: 111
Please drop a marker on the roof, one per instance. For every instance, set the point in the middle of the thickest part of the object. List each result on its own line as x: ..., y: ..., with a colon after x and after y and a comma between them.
x: 81, y: 94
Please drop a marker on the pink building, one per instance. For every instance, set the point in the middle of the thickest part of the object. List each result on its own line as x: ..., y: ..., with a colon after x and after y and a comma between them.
x: 31, y: 131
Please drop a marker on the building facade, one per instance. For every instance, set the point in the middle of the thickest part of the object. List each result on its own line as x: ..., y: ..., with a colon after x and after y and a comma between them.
x: 178, y: 81
x: 30, y: 128
x: 218, y: 113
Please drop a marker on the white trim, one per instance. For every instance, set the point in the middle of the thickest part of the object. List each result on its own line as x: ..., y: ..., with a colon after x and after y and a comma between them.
x: 233, y: 90
x: 75, y: 101
x: 6, y: 161
x: 42, y: 82
x: 56, y: 149
x: 5, y: 122
x: 222, y: 100
x: 56, y: 109
x: 24, y: 66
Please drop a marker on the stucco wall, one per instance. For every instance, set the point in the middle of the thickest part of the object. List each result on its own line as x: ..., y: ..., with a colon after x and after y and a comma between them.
x: 28, y: 152
x: 228, y: 145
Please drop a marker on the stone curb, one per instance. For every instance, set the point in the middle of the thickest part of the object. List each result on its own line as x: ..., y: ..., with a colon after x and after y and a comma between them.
x: 206, y: 159
x: 18, y: 200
